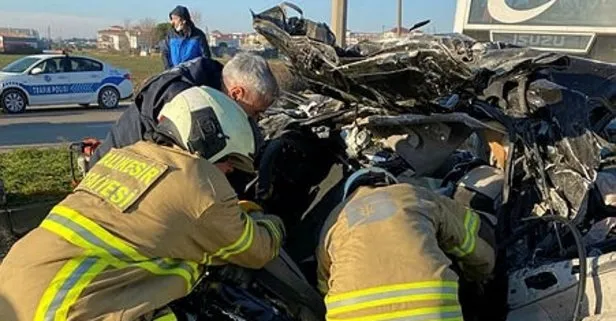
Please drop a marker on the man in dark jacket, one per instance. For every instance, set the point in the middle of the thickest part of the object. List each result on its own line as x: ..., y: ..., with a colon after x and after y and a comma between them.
x: 184, y: 41
x: 140, y: 116
x: 246, y: 78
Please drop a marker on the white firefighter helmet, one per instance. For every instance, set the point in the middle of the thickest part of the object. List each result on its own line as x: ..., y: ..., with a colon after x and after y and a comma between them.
x: 206, y: 122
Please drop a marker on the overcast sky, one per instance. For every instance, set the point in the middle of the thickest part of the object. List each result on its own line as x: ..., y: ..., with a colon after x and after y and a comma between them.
x: 69, y: 18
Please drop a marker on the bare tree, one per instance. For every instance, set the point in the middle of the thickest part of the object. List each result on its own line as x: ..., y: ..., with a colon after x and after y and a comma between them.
x: 127, y: 23
x: 125, y: 41
x: 196, y: 17
x: 148, y: 31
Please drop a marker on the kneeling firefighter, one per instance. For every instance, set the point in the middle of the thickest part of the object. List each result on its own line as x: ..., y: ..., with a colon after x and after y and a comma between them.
x: 385, y: 253
x: 138, y: 230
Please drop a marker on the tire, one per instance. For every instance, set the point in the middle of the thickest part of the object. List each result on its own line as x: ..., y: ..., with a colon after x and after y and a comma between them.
x: 108, y: 98
x: 13, y: 101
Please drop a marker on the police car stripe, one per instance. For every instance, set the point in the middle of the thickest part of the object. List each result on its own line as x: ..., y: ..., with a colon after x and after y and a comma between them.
x: 65, y: 88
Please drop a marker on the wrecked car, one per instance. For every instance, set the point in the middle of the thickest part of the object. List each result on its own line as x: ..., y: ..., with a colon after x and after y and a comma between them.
x: 517, y: 132
x: 519, y: 135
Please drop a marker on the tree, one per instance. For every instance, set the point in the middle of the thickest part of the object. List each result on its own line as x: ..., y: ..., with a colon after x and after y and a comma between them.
x: 161, y: 31
x: 127, y: 23
x: 125, y: 41
x: 148, y: 31
x: 196, y: 17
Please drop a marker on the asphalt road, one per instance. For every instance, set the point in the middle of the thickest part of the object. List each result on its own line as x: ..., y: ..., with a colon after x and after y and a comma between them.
x: 57, y: 125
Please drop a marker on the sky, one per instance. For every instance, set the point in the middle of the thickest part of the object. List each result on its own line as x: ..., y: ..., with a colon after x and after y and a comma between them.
x: 70, y: 18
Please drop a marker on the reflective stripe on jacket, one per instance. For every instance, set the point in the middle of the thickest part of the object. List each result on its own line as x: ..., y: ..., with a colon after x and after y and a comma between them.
x: 130, y: 239
x: 382, y: 255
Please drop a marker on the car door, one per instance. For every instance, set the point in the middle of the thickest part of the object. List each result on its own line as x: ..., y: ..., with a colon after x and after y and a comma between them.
x: 51, y: 85
x: 86, y: 75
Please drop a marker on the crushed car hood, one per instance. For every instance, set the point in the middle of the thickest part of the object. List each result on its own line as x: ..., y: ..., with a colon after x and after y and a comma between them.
x: 418, y: 69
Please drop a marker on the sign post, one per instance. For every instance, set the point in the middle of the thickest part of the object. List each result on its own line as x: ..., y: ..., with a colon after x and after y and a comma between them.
x: 339, y: 21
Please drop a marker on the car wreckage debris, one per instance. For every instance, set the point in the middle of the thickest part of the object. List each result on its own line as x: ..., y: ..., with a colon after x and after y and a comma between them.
x: 545, y: 116
x: 524, y: 137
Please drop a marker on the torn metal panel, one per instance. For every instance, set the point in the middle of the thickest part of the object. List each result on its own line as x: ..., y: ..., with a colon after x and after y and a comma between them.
x: 541, y: 293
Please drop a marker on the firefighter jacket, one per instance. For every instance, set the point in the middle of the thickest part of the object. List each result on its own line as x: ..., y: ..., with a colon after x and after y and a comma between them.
x: 384, y: 254
x: 133, y: 236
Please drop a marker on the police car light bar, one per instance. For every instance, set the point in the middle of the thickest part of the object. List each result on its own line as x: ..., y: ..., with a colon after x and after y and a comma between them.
x: 57, y: 52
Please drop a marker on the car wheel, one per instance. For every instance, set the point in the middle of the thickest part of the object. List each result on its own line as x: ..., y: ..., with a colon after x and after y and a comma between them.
x: 108, y: 97
x: 13, y: 101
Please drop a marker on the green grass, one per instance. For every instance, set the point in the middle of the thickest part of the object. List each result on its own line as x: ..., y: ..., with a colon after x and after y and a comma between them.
x: 141, y: 68
x: 35, y: 175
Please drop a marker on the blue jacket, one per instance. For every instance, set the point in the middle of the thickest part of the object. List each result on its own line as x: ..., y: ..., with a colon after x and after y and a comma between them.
x: 178, y: 48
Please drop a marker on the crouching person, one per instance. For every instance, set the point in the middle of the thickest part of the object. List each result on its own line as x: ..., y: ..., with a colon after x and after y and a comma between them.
x: 138, y: 230
x: 384, y: 253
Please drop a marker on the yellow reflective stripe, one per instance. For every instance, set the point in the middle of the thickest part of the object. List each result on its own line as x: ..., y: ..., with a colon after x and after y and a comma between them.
x: 396, y: 287
x: 98, y: 231
x: 206, y: 258
x: 94, y: 250
x: 394, y: 300
x: 275, y: 232
x: 121, y: 254
x: 66, y: 286
x: 247, y: 243
x: 124, y: 248
x: 443, y: 313
x: 240, y: 245
x: 53, y: 288
x: 272, y: 229
x: 167, y: 317
x: 393, y: 294
x: 75, y: 292
x: 471, y: 227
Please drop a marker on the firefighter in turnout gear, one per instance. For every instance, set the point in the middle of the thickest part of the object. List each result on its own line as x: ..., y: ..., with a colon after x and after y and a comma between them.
x: 385, y: 253
x: 139, y: 229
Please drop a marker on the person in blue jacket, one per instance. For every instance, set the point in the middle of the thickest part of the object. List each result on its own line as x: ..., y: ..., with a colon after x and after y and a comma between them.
x: 184, y: 41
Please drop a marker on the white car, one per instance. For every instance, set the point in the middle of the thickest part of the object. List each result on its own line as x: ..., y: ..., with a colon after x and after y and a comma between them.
x: 51, y: 79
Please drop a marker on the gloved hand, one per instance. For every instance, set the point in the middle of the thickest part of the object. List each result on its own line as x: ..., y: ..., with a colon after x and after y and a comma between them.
x: 273, y: 220
x: 250, y: 207
x: 256, y: 212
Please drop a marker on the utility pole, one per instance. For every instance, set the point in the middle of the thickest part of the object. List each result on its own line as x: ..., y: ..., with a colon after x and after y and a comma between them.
x: 399, y: 18
x: 339, y: 21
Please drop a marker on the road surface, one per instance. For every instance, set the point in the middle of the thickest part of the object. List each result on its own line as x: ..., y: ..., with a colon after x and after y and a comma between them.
x: 39, y: 127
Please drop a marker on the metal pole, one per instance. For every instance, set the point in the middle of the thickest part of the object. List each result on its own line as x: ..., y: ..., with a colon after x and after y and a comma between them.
x: 399, y: 18
x: 339, y: 21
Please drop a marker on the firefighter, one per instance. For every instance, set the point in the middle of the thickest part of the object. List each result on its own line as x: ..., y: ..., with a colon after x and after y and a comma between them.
x: 384, y: 253
x: 138, y: 230
x: 246, y: 78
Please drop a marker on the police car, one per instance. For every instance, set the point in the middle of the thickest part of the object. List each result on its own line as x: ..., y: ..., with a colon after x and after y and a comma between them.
x: 59, y: 78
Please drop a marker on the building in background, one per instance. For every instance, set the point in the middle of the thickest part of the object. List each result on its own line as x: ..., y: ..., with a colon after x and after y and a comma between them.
x: 353, y: 38
x: 20, y: 41
x: 230, y: 40
x: 120, y: 39
x: 393, y: 33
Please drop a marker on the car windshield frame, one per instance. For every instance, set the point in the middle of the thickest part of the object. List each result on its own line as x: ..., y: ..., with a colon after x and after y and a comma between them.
x: 19, y: 66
